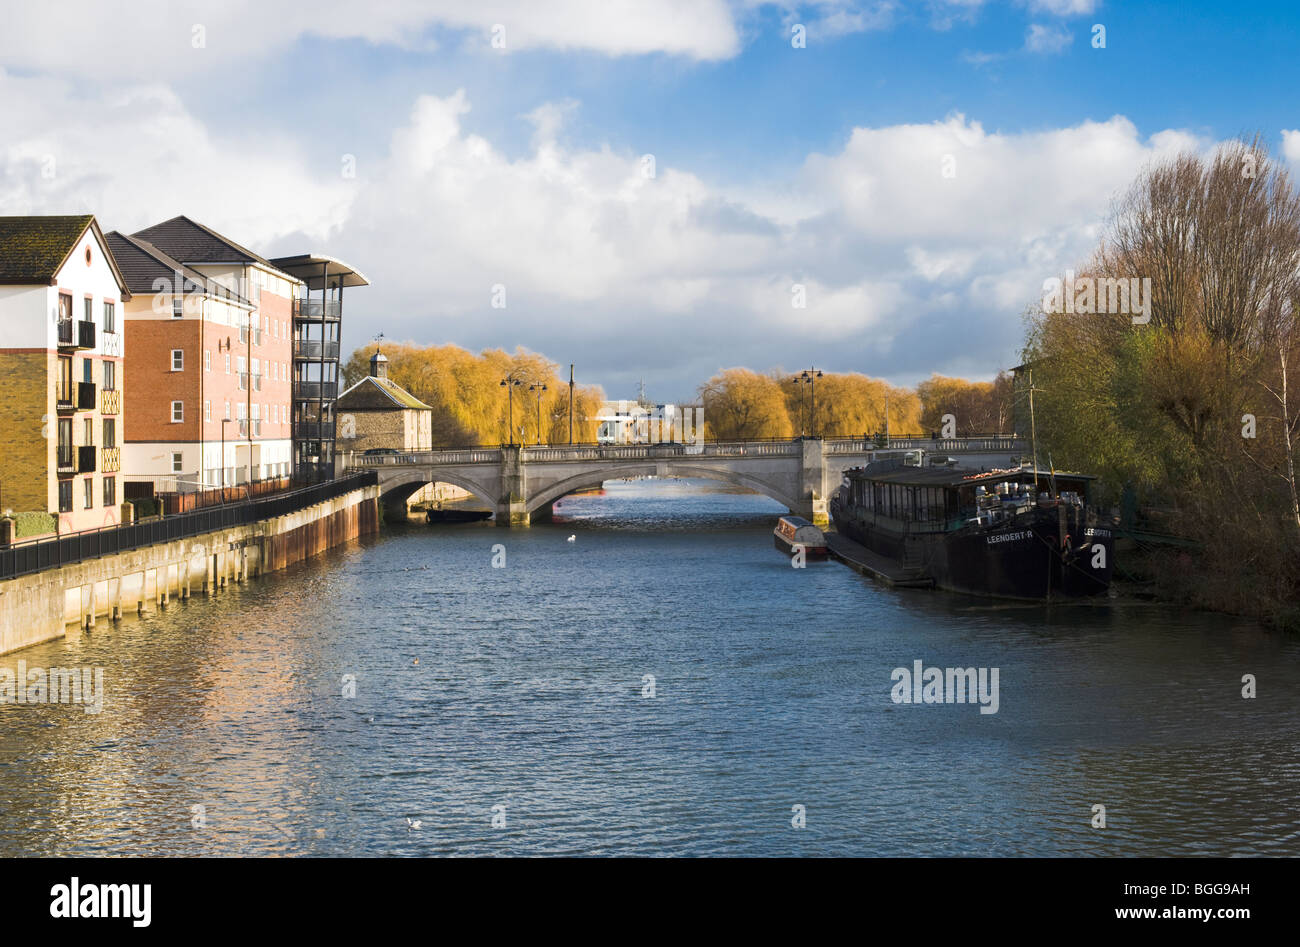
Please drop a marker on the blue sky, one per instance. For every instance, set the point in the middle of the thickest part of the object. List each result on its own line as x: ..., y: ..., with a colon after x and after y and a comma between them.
x: 775, y: 166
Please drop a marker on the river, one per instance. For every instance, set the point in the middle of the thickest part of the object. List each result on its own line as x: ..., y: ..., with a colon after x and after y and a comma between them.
x: 510, y: 709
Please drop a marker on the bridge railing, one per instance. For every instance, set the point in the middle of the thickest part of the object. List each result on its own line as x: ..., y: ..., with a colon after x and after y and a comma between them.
x: 760, y: 448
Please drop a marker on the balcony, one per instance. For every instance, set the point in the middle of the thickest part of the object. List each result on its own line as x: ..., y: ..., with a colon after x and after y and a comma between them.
x: 65, y: 460
x: 110, y: 401
x: 66, y: 336
x: 85, y: 335
x: 315, y: 349
x: 313, y: 430
x: 86, y: 459
x: 85, y: 396
x: 314, y: 309
x: 64, y: 401
x: 111, y: 459
x: 315, y: 390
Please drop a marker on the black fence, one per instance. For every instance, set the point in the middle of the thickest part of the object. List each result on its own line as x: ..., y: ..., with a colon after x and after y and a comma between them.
x: 26, y: 558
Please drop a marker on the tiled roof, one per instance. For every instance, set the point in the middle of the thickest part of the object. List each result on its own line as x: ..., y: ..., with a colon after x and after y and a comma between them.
x: 191, y: 242
x: 372, y: 392
x: 142, y: 263
x: 33, y: 249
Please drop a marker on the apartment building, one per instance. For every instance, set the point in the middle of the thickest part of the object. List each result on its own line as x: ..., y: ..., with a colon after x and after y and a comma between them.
x: 215, y: 364
x: 61, y: 377
x: 184, y: 330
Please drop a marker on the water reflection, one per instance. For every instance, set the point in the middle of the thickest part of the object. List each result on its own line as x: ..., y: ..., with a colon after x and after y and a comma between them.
x: 771, y: 689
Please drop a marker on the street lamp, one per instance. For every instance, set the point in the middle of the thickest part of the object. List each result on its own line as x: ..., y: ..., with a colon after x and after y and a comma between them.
x: 224, y: 422
x: 809, y: 378
x: 510, y: 383
x: 539, y: 389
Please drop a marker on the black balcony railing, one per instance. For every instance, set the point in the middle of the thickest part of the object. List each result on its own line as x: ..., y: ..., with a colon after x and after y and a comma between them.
x: 66, y: 334
x: 65, y: 459
x: 315, y: 349
x: 85, y: 396
x: 315, y: 390
x: 64, y: 402
x: 330, y: 309
x: 86, y: 459
x: 26, y: 558
x: 314, y: 430
x: 85, y: 335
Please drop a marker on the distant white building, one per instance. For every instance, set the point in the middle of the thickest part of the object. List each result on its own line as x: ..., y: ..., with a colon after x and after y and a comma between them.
x: 638, y: 422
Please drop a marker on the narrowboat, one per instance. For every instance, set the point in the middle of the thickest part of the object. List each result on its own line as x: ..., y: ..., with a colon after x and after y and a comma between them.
x: 1021, y: 533
x: 794, y: 531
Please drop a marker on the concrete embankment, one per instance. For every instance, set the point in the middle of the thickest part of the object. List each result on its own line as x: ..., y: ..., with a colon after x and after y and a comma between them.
x: 40, y: 606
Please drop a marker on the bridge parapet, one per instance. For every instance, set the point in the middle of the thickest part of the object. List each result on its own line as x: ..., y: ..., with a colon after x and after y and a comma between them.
x: 519, y: 481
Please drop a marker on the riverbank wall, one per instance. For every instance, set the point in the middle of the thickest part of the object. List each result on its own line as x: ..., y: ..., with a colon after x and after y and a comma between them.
x: 40, y: 606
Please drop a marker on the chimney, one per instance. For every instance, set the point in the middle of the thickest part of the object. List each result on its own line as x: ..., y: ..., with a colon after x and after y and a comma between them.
x: 378, y: 365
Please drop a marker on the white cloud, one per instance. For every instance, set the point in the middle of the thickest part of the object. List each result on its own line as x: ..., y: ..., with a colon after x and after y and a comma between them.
x: 1291, y: 145
x: 1063, y: 7
x: 666, y: 276
x: 1047, y: 39
x: 157, y: 38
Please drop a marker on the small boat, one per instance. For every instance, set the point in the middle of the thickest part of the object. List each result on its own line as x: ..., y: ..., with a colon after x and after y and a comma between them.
x: 794, y: 531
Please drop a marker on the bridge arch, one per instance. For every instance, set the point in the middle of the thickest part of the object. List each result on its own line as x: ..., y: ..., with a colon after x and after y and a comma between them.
x: 397, y: 489
x: 547, y: 494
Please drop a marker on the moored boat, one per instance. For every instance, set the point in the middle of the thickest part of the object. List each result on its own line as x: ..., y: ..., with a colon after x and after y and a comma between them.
x: 1017, y: 533
x: 792, y: 532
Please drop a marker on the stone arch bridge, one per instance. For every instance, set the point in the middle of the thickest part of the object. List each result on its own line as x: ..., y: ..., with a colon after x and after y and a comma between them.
x: 521, y: 483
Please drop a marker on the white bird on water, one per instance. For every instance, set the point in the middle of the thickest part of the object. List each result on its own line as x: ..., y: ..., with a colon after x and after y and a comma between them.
x: 412, y: 823
x: 573, y: 539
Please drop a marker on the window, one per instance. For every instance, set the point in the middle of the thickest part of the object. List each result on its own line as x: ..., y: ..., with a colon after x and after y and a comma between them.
x: 110, y: 317
x: 207, y: 360
x: 89, y: 484
x: 65, y: 496
x: 110, y: 432
x: 90, y: 310
x: 110, y: 375
x: 65, y: 380
x: 178, y: 411
x: 227, y: 410
x: 178, y: 360
x: 178, y: 307
x: 88, y: 431
x: 110, y: 491
x: 87, y: 370
x: 207, y: 410
x: 65, y: 315
x: 178, y: 462
x: 227, y: 363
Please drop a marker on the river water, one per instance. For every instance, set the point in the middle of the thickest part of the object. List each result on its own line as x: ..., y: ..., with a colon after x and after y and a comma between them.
x: 509, y: 709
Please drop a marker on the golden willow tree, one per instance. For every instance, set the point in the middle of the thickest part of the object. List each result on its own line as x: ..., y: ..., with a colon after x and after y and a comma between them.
x: 1192, y: 402
x: 741, y: 404
x: 977, y: 407
x: 470, y: 406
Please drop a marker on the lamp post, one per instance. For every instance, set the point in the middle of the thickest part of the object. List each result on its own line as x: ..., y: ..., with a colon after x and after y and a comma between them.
x: 510, y: 383
x: 539, y: 389
x: 224, y: 422
x: 809, y: 378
